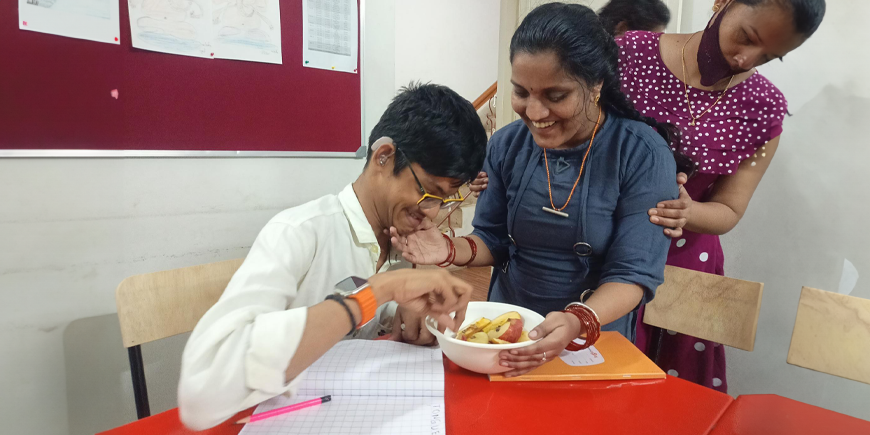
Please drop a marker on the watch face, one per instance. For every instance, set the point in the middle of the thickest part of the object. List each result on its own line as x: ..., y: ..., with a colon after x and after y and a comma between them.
x: 348, y: 285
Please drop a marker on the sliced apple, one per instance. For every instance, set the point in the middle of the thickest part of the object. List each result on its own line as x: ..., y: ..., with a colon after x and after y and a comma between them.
x: 473, y: 328
x: 524, y: 336
x: 500, y: 320
x: 498, y: 341
x: 479, y: 337
x: 509, y: 331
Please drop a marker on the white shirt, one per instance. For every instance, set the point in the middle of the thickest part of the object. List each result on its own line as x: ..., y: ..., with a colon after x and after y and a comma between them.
x: 239, y: 351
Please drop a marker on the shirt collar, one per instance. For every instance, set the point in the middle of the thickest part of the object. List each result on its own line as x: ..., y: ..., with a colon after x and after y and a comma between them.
x: 356, y: 216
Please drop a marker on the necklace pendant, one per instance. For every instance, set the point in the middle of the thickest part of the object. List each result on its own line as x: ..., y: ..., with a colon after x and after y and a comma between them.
x: 555, y: 212
x: 693, y: 123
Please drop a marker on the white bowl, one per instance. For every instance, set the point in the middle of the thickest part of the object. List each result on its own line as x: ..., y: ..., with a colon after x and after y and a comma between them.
x: 480, y: 357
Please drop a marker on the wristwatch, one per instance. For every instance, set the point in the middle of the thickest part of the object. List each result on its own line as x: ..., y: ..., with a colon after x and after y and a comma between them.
x: 360, y: 290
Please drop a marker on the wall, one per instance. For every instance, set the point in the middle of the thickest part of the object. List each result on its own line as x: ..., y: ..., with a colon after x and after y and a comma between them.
x: 72, y: 229
x: 809, y: 213
x: 450, y: 42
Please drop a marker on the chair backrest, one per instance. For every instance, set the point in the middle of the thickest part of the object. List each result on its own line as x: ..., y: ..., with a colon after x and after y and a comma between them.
x: 478, y: 277
x: 832, y: 335
x: 162, y: 304
x: 712, y: 307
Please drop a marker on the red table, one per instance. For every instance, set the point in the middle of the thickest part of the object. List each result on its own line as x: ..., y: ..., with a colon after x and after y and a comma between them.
x: 167, y: 423
x: 769, y: 414
x: 665, y: 406
x: 476, y: 406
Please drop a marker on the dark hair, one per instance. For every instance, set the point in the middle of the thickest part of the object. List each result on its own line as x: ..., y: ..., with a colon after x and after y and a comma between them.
x: 637, y: 14
x: 436, y: 128
x: 807, y: 14
x: 590, y: 54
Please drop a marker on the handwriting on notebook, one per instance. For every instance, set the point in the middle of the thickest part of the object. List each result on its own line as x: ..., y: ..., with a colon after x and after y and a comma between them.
x: 436, y: 422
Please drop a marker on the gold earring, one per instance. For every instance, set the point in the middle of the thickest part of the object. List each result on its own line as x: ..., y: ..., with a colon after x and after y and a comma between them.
x: 716, y: 8
x: 597, y: 97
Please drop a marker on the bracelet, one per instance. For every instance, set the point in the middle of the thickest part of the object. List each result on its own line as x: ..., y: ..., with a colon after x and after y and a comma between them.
x: 451, y: 252
x: 340, y: 300
x: 591, y: 324
x: 473, y: 246
x: 368, y: 305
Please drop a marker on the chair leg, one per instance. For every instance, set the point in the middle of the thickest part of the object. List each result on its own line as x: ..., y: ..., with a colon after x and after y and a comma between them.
x: 658, y: 337
x: 140, y: 390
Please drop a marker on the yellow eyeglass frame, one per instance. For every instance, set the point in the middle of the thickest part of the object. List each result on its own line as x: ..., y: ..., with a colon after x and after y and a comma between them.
x: 441, y: 202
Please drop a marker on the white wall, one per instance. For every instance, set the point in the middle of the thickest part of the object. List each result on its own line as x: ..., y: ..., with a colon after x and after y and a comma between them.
x: 449, y: 42
x: 72, y: 229
x: 810, y: 211
x: 379, y: 60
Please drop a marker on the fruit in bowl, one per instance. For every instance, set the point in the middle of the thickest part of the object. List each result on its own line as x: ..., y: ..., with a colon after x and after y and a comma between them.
x: 479, y: 341
x: 506, y: 328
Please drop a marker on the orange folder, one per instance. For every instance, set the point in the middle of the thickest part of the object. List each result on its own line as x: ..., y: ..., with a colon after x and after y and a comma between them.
x: 622, y: 360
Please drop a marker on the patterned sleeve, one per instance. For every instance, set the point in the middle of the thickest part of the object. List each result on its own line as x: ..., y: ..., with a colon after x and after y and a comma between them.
x: 626, y: 64
x: 779, y: 109
x: 631, y: 59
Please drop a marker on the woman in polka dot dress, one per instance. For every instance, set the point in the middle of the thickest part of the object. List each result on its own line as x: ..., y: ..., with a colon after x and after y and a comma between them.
x: 730, y: 117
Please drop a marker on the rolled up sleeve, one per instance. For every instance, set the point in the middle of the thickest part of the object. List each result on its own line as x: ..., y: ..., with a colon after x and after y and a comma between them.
x: 640, y: 248
x: 239, y: 351
x: 490, y: 213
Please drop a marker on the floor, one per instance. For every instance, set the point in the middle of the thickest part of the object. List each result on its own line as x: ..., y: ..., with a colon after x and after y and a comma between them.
x: 477, y: 277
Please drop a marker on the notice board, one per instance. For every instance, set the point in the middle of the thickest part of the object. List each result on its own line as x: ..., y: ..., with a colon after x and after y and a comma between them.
x: 56, y: 94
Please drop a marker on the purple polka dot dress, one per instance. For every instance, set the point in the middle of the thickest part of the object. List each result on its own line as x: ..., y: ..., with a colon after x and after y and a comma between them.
x: 748, y: 116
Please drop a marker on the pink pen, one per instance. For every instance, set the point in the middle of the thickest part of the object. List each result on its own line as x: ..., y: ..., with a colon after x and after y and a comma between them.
x: 284, y: 410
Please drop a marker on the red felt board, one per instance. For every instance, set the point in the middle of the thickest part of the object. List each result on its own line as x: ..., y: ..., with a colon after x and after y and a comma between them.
x: 55, y: 93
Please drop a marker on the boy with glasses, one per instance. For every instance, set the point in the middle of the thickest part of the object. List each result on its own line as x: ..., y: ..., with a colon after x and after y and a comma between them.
x: 281, y: 312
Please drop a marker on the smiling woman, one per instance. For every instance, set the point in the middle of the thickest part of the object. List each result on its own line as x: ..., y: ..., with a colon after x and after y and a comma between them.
x: 569, y: 185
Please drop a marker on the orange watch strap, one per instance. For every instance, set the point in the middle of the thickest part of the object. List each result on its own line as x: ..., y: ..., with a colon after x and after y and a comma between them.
x: 368, y: 305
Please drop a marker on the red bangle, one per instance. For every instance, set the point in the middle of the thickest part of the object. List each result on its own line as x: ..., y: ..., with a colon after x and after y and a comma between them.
x: 473, y: 246
x: 590, y: 322
x: 451, y: 252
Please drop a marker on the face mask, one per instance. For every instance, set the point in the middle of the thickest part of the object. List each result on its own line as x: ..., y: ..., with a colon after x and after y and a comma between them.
x: 711, y: 60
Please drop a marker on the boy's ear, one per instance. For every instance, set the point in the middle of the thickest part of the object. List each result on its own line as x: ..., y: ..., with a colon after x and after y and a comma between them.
x: 383, y: 153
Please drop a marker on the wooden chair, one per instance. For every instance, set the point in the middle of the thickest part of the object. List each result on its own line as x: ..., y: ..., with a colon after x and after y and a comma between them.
x: 712, y: 307
x: 162, y: 304
x: 478, y: 277
x: 832, y: 335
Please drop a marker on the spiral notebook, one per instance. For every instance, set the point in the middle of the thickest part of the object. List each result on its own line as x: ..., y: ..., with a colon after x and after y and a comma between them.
x: 377, y: 387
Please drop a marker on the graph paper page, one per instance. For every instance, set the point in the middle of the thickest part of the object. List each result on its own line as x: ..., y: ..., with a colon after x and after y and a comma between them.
x: 377, y: 387
x: 376, y: 368
x: 354, y: 415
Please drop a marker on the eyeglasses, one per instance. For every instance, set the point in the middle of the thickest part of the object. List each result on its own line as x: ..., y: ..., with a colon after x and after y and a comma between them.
x: 429, y: 201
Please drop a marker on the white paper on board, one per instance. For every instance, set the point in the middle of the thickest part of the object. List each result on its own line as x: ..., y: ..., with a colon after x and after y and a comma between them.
x: 330, y: 35
x: 172, y: 26
x: 586, y: 357
x: 215, y: 29
x: 94, y: 20
x: 247, y: 30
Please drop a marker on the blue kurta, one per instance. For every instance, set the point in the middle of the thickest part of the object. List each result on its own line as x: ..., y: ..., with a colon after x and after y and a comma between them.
x: 544, y: 261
